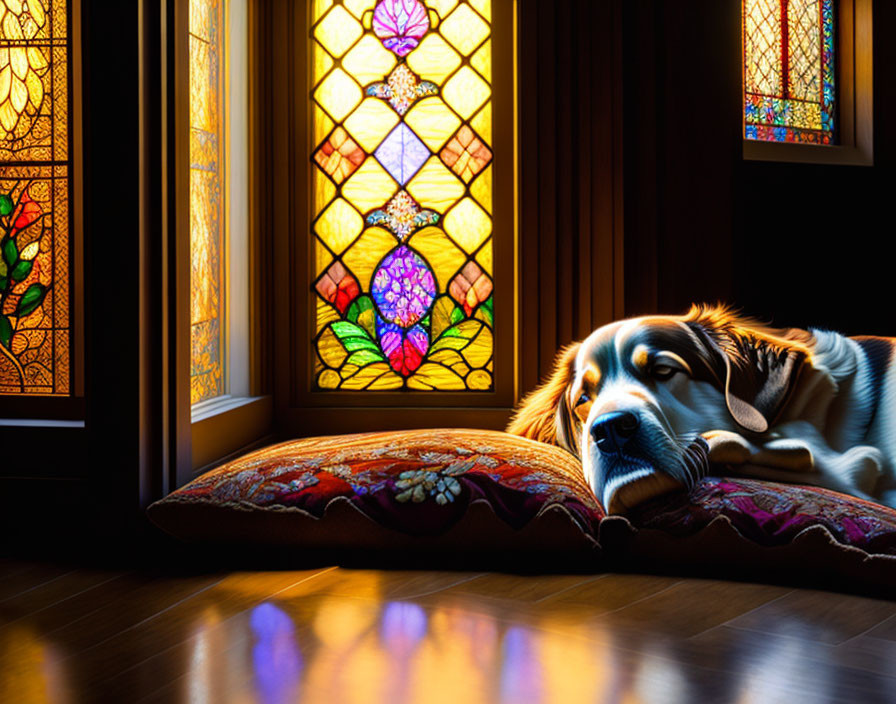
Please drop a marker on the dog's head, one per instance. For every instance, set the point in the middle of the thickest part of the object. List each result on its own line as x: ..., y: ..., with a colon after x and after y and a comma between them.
x: 637, y: 398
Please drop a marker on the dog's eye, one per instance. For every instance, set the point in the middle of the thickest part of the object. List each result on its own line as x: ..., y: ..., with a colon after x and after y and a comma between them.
x: 583, y: 398
x: 663, y: 371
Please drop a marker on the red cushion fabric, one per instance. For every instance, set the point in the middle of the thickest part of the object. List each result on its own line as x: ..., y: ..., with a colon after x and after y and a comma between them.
x: 384, y: 489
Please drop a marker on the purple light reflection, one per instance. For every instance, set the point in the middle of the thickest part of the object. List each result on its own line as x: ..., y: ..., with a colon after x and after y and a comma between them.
x: 275, y: 657
x: 521, y: 677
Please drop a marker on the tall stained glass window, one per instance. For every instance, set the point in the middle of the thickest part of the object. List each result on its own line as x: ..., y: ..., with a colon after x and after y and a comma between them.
x: 207, y: 320
x: 35, y: 187
x: 789, y: 70
x: 402, y: 194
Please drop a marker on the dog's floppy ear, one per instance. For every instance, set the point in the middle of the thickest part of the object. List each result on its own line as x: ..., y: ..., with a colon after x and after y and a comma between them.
x: 760, y: 365
x: 544, y: 414
x: 761, y: 376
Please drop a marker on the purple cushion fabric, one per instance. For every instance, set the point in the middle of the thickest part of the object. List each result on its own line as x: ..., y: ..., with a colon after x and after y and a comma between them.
x: 769, y: 513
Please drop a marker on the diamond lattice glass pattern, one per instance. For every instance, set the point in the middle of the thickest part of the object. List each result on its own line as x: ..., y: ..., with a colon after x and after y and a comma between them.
x: 35, y: 214
x: 789, y: 70
x: 402, y: 195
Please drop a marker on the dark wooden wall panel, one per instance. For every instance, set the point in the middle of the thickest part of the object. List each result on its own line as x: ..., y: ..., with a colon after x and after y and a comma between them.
x: 570, y: 176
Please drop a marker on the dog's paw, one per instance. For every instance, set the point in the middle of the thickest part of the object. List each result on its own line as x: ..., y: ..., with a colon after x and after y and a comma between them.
x: 726, y: 447
x: 859, y: 468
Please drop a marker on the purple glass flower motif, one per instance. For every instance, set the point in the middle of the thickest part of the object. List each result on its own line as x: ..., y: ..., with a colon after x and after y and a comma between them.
x: 403, y: 287
x: 400, y: 24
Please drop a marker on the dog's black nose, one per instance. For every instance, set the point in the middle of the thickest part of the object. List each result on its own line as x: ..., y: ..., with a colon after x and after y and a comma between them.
x: 612, y: 430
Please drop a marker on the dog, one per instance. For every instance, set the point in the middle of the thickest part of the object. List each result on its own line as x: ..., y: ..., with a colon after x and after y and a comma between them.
x: 652, y: 404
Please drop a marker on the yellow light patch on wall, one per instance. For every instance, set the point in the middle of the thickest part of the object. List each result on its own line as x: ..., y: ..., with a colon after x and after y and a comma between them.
x: 401, y: 124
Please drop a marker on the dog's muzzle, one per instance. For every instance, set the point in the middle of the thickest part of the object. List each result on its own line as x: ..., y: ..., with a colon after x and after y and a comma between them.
x: 629, y: 469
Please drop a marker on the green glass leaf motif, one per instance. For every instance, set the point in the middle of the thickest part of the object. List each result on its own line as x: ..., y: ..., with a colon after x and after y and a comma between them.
x: 363, y: 312
x: 445, y: 313
x: 21, y: 270
x: 6, y: 204
x: 5, y: 331
x: 10, y: 251
x: 31, y: 299
x: 355, y: 338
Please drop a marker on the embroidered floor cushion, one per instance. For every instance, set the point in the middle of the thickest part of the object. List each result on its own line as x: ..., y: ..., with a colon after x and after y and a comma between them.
x: 473, y: 490
x: 755, y: 526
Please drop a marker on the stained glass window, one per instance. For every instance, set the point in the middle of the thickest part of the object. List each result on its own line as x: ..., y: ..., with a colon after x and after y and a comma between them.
x: 402, y: 194
x: 207, y: 320
x: 789, y: 70
x: 35, y: 212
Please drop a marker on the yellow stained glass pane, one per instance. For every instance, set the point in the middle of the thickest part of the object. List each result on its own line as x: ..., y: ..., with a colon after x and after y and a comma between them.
x: 378, y: 375
x: 338, y: 94
x: 479, y: 350
x: 482, y: 123
x: 329, y: 379
x: 483, y: 7
x: 468, y: 224
x: 433, y: 122
x: 443, y: 7
x: 339, y: 225
x: 466, y: 91
x: 479, y: 379
x: 435, y: 186
x: 440, y: 253
x: 331, y: 349
x: 366, y: 253
x: 464, y: 29
x: 453, y: 359
x: 318, y: 8
x: 326, y: 314
x: 324, y: 190
x: 481, y: 189
x: 482, y: 60
x: 435, y: 376
x: 484, y: 258
x: 323, y: 62
x: 359, y: 7
x: 338, y: 31
x: 322, y: 258
x: 368, y: 61
x: 370, y: 123
x: 323, y: 125
x: 434, y: 59
x: 370, y: 186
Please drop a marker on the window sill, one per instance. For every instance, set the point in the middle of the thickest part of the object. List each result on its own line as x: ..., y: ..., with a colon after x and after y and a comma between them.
x: 224, y: 426
x: 756, y: 150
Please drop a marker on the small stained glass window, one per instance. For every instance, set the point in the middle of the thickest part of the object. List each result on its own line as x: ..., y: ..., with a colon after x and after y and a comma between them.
x: 402, y: 194
x: 207, y: 320
x: 789, y: 70
x: 35, y: 200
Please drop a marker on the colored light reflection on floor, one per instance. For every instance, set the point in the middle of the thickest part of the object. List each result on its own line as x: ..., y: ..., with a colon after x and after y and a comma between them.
x: 276, y: 659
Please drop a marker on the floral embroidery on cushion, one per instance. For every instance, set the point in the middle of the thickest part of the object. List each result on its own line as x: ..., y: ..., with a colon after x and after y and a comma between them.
x: 416, y: 481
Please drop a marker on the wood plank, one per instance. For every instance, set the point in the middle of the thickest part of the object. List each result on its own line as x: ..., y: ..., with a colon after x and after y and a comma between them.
x: 819, y: 616
x: 770, y: 666
x: 692, y: 606
x: 53, y: 592
x: 20, y: 583
x: 885, y: 629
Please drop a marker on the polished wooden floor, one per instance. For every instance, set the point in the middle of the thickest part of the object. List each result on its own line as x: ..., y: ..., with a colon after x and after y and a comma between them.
x: 333, y: 634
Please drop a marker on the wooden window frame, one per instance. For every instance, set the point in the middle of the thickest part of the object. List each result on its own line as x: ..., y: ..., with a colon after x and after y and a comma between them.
x: 855, y: 99
x: 229, y: 425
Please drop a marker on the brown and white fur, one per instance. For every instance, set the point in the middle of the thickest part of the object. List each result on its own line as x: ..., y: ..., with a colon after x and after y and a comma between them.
x: 650, y: 404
